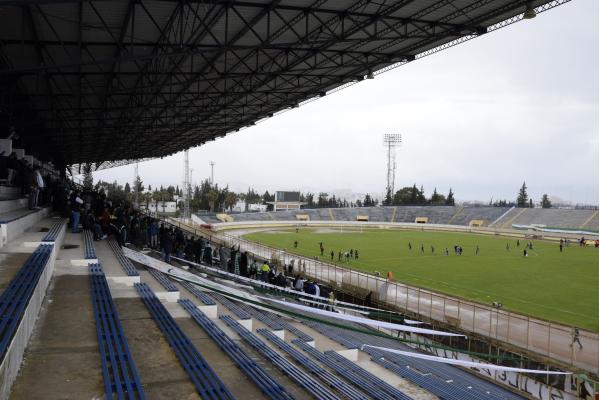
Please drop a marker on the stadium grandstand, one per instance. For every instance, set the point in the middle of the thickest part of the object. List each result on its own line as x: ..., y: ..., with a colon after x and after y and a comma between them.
x: 90, y: 85
x: 495, y: 217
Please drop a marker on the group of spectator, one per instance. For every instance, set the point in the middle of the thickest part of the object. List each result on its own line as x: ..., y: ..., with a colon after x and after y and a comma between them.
x: 35, y: 183
x: 130, y: 226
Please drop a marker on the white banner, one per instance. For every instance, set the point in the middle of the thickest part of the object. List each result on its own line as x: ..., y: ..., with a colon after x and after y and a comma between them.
x: 359, y: 320
x: 462, y: 363
x: 193, y: 278
x: 179, y: 273
x: 255, y: 282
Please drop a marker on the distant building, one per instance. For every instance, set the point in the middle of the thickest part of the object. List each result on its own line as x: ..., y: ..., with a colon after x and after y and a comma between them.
x: 286, y: 201
x: 161, y: 206
x: 240, y: 207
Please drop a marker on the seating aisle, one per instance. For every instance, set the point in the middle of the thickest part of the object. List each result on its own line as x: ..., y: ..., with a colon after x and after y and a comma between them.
x: 62, y: 358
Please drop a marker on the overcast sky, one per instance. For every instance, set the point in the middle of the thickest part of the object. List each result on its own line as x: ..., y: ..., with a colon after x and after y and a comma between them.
x: 518, y: 104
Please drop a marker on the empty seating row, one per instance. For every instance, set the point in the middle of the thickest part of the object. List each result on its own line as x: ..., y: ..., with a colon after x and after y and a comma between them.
x: 231, y: 306
x: 435, y: 215
x: 487, y: 214
x: 163, y: 280
x: 312, y: 386
x: 269, y: 386
x: 118, y: 368
x: 52, y: 234
x: 447, y: 389
x: 448, y: 373
x: 276, y: 322
x: 88, y: 241
x: 368, y: 387
x: 129, y: 268
x: 16, y: 296
x: 338, y: 338
x: 444, y: 390
x: 443, y: 371
x: 457, y: 378
x: 555, y: 218
x: 206, y: 381
x: 200, y: 295
x: 321, y: 373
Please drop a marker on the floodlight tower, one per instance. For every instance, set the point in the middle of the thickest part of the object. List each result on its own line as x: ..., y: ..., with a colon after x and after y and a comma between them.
x: 186, y: 185
x: 136, y: 176
x: 391, y: 141
x: 212, y: 172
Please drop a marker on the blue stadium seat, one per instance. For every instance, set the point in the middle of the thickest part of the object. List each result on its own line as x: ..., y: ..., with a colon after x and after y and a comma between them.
x: 276, y: 322
x: 206, y: 381
x: 200, y: 295
x: 321, y: 373
x: 88, y: 240
x: 16, y: 296
x: 163, y: 280
x: 268, y: 385
x: 119, y: 373
x: 297, y: 375
x: 351, y: 375
x: 52, y: 234
x: 127, y: 265
x: 231, y: 306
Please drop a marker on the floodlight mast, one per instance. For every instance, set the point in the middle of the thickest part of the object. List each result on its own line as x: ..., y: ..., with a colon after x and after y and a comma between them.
x: 136, y: 188
x: 391, y: 141
x: 212, y: 172
x: 186, y: 185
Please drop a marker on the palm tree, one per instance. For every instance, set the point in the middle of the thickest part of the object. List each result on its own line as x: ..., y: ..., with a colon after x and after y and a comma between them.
x: 230, y: 200
x: 212, y: 196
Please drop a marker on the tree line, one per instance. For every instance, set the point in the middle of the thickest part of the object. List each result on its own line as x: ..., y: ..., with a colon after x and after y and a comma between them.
x: 211, y: 197
x: 523, y: 200
x: 411, y: 195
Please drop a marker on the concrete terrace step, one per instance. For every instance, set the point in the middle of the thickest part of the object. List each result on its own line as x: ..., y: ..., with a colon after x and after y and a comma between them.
x: 9, y: 192
x: 15, y: 223
x: 11, y: 205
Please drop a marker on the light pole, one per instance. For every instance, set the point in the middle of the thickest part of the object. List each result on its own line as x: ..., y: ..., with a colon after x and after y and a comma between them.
x: 212, y: 172
x: 391, y: 141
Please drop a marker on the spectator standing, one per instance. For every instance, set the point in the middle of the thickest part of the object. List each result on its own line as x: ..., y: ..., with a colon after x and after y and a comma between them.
x: 76, y: 203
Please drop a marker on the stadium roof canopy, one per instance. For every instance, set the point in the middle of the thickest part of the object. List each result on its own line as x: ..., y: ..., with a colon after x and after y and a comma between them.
x: 101, y: 81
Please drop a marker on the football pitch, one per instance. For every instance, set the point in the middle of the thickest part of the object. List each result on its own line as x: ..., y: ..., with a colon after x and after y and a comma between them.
x: 547, y: 284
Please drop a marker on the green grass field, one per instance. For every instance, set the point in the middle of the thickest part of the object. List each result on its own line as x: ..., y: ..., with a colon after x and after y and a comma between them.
x: 561, y: 287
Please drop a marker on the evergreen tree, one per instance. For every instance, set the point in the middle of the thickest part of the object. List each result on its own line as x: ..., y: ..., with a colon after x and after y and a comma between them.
x: 403, y: 196
x: 530, y: 203
x: 421, y: 199
x: 414, y: 195
x: 450, y: 198
x: 546, y: 202
x: 310, y: 200
x: 322, y: 200
x: 436, y: 198
x: 388, y: 197
x: 522, y: 198
x: 127, y: 188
